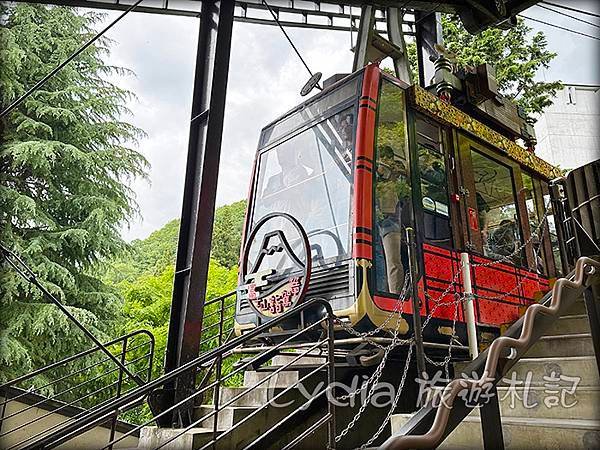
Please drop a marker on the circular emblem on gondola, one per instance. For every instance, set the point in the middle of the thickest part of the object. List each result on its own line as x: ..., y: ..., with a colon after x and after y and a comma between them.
x: 275, y: 268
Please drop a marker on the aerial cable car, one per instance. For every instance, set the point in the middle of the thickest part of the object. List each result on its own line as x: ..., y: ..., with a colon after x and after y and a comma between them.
x: 340, y: 181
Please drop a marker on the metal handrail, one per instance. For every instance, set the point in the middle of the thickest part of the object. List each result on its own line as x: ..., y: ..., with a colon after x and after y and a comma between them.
x: 98, y: 415
x: 527, y: 334
x: 78, y: 392
x: 78, y: 356
x: 55, y: 396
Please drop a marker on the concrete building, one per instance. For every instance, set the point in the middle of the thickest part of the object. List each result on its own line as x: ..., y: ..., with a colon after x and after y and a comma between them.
x: 568, y: 132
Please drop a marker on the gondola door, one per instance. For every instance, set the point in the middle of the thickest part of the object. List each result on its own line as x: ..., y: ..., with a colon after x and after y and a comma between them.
x: 435, y: 182
x: 438, y: 222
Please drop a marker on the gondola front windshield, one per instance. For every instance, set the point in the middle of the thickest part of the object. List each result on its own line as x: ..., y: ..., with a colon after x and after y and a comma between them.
x: 309, y: 176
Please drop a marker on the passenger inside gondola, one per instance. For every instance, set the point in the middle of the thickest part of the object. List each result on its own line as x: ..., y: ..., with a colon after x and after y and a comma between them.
x: 393, y: 207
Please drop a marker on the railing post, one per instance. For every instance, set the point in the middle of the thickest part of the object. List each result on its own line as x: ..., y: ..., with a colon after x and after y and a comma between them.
x: 591, y: 297
x: 113, y: 424
x: 331, y: 427
x: 217, y: 388
x: 5, y: 393
x: 491, y: 423
x: 469, y: 309
x: 412, y: 268
x: 561, y: 218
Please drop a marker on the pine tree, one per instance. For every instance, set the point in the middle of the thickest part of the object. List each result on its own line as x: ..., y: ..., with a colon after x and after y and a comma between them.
x: 517, y: 54
x: 65, y: 165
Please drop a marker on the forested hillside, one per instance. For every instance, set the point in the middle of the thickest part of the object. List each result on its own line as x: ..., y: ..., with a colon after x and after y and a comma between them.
x: 143, y: 275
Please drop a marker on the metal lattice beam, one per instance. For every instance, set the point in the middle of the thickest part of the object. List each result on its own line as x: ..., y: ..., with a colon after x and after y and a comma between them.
x: 333, y: 15
x: 313, y: 15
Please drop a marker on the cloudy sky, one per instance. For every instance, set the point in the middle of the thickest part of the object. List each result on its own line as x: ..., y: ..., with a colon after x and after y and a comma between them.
x: 264, y: 81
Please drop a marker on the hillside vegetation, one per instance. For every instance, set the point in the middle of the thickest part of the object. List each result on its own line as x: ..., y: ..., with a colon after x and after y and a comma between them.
x: 143, y: 276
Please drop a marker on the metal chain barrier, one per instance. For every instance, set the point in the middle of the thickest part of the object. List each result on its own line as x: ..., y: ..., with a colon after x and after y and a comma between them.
x: 460, y: 298
x: 394, y: 402
x: 373, y: 380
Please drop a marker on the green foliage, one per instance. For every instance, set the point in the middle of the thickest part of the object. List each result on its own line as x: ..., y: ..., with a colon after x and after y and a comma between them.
x: 65, y: 162
x: 227, y: 233
x: 143, y: 275
x: 152, y: 255
x: 517, y: 54
x: 148, y: 301
x: 144, y: 279
x: 146, y: 256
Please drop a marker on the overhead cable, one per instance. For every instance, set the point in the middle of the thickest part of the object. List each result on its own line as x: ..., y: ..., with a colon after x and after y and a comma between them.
x: 580, y: 11
x: 54, y: 71
x: 559, y: 27
x: 287, y: 36
x: 570, y: 16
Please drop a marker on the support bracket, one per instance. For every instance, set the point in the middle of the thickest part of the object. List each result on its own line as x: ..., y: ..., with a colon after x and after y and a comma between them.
x: 373, y: 47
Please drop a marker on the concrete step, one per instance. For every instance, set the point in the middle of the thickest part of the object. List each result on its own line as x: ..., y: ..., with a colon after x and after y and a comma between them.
x: 522, y: 433
x: 227, y: 417
x: 258, y: 396
x: 571, y: 324
x: 562, y: 345
x: 546, y: 403
x: 577, y: 309
x: 153, y: 437
x: 583, y: 367
x: 283, y: 359
x: 281, y: 379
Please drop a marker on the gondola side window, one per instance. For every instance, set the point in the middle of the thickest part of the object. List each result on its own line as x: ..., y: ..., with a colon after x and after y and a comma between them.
x: 533, y: 215
x: 497, y: 213
x: 434, y: 184
x: 392, y: 191
x: 552, y: 231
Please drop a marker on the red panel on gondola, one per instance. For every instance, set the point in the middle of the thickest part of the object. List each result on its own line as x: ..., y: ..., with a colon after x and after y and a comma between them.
x: 496, y: 313
x: 441, y: 265
x: 499, y: 278
x: 438, y: 263
x: 533, y: 286
x: 500, y: 289
x: 442, y: 307
x: 391, y: 303
x: 508, y: 297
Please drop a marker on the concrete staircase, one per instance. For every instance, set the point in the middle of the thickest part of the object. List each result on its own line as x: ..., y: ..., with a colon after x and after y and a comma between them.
x: 550, y: 414
x: 242, y: 403
x: 248, y: 428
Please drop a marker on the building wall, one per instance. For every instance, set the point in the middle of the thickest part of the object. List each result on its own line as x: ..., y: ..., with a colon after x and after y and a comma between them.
x: 568, y: 132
